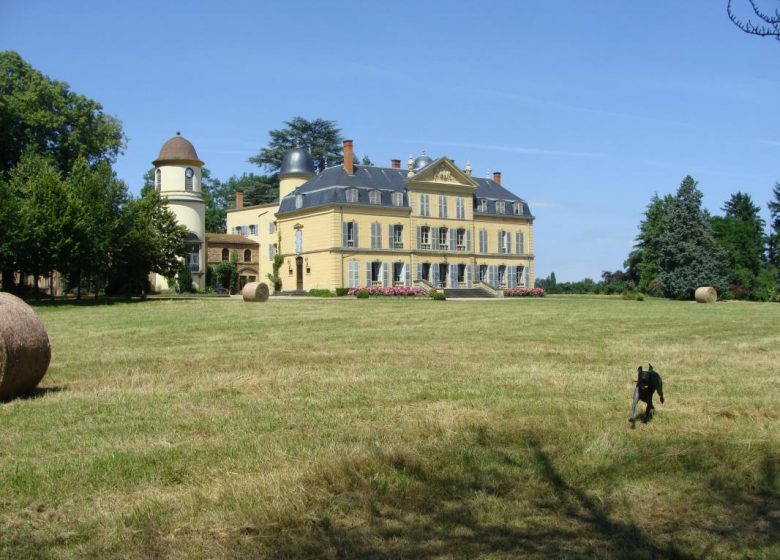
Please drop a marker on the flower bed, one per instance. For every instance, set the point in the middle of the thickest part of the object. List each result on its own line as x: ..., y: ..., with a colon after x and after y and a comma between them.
x: 395, y: 291
x: 524, y: 292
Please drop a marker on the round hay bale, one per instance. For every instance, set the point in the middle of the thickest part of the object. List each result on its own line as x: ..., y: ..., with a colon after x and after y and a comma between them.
x: 706, y: 294
x: 255, y: 291
x: 25, y: 352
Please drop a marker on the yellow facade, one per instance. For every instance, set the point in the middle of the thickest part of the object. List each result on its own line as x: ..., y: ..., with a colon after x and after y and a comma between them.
x: 388, y: 245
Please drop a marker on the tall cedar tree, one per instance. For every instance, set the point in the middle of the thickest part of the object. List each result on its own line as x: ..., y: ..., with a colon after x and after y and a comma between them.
x: 44, y: 116
x: 644, y: 262
x: 740, y: 232
x: 689, y: 255
x: 320, y: 136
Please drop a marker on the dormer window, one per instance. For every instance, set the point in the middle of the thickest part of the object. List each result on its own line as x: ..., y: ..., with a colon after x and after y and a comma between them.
x: 483, y: 204
x: 298, y: 201
x: 500, y: 207
x: 398, y: 199
x: 374, y: 197
x: 158, y: 180
x: 518, y: 207
x: 188, y: 174
x: 352, y: 195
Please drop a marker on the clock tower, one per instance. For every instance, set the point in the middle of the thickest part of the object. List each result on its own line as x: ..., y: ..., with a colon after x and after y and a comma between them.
x: 177, y: 177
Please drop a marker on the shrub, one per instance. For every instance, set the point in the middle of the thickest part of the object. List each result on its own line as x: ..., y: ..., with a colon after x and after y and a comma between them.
x: 640, y: 296
x: 317, y: 292
x: 524, y: 292
x: 340, y: 292
x: 395, y: 291
x: 361, y: 294
x: 184, y: 279
x: 438, y: 296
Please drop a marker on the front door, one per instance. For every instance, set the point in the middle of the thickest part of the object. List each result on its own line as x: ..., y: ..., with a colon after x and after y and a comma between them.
x: 299, y: 273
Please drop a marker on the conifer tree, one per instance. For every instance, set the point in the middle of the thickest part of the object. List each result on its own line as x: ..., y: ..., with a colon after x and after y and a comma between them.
x: 689, y: 255
x: 740, y: 232
x: 773, y: 243
x: 644, y: 262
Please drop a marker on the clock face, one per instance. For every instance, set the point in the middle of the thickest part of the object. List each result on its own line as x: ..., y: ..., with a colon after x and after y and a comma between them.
x: 189, y: 172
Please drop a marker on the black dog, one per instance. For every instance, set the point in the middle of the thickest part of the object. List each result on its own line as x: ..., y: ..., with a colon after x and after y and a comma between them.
x: 647, y: 383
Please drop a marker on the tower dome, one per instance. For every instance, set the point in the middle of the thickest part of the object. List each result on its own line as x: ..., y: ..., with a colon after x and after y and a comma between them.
x: 177, y: 149
x: 421, y: 162
x: 297, y: 161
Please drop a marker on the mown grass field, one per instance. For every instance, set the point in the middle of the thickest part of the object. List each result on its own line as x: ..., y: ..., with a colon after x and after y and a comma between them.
x: 337, y: 428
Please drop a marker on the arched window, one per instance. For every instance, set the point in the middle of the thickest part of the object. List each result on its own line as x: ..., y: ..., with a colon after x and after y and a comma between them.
x: 225, y: 255
x: 247, y: 255
x: 188, y: 173
x: 158, y: 180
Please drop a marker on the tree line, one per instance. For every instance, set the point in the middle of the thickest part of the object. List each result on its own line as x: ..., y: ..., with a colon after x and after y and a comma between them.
x: 63, y: 208
x: 680, y: 247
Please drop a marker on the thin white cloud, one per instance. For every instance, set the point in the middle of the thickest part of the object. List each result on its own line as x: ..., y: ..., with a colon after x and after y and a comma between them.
x: 517, y: 149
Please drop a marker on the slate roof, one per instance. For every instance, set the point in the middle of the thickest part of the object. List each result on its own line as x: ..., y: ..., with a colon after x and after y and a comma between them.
x: 229, y: 238
x: 329, y: 187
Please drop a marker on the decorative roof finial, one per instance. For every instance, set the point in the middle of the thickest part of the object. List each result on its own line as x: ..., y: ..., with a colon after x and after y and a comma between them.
x: 467, y: 170
x: 178, y: 133
x: 410, y: 165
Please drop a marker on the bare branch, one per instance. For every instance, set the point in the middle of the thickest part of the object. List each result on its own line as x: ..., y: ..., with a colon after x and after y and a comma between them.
x: 768, y: 25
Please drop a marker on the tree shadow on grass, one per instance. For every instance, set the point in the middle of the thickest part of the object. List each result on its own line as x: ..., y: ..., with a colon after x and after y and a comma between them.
x: 490, y: 501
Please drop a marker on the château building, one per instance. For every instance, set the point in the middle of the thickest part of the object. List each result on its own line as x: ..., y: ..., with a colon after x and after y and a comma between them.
x: 431, y: 225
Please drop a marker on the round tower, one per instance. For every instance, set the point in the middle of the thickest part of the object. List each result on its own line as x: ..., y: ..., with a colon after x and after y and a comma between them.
x: 297, y: 168
x: 177, y: 177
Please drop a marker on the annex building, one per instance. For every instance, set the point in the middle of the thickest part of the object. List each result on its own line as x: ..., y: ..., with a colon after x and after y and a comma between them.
x: 429, y: 225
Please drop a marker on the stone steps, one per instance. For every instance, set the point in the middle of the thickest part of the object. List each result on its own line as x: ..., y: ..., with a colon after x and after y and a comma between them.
x: 465, y: 293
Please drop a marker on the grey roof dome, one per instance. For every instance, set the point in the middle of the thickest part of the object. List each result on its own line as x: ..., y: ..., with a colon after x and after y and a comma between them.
x: 177, y: 149
x: 421, y: 162
x: 299, y: 161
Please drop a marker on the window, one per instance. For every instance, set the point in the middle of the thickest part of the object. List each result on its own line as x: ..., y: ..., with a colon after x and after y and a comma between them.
x: 443, y: 237
x: 483, y: 241
x: 519, y: 275
x: 442, y: 206
x: 461, y: 208
x: 503, y: 242
x: 374, y: 197
x: 398, y: 199
x: 502, y: 278
x: 188, y: 173
x: 520, y: 249
x: 483, y: 273
x: 253, y: 229
x: 298, y: 201
x: 353, y: 274
x: 247, y: 255
x: 500, y: 207
x: 270, y: 227
x: 225, y: 255
x: 398, y: 236
x: 376, y: 236
x: 193, y: 259
x: 158, y: 180
x: 518, y: 208
x: 376, y: 274
x: 350, y: 234
x: 352, y: 195
x: 425, y: 237
x: 299, y: 241
x: 460, y: 239
x: 425, y: 205
x: 483, y: 204
x: 399, y: 274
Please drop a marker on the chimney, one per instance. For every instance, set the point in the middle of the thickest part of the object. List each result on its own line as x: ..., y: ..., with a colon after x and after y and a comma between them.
x: 497, y: 177
x: 349, y: 164
x: 395, y: 163
x: 239, y: 199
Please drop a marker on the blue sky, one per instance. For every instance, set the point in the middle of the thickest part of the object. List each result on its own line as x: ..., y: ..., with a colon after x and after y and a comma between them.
x: 586, y: 107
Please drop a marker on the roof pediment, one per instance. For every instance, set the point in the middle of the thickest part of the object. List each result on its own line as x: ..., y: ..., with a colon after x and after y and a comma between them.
x: 442, y: 172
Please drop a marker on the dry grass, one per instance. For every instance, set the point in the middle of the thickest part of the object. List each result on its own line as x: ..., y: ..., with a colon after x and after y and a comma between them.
x: 340, y: 428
